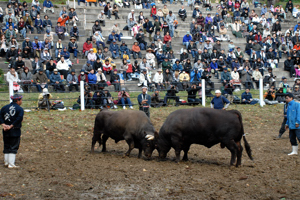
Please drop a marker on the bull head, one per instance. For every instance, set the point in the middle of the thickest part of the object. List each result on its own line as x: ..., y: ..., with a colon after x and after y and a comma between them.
x: 149, y: 137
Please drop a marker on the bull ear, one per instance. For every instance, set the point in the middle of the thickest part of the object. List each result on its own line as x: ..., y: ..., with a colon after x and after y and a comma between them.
x: 156, y: 134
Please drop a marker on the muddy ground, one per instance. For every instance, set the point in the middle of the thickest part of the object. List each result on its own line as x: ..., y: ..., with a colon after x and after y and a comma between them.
x: 55, y: 163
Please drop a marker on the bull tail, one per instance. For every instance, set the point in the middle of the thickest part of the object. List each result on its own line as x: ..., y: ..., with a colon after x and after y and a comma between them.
x: 247, y: 146
x: 96, y: 136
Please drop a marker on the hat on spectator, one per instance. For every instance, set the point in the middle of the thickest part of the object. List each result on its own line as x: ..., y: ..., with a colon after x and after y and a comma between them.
x: 74, y: 24
x: 144, y: 70
x: 221, y: 57
x: 27, y: 13
x: 225, y: 68
x: 99, y: 69
x: 255, y: 41
x: 128, y: 61
x: 91, y: 49
x: 13, y: 46
x: 88, y: 62
x: 113, y: 31
x: 9, y: 12
x: 73, y: 70
x: 36, y: 37
x: 177, y: 60
x: 48, y: 31
x: 184, y: 51
x: 27, y: 38
x: 82, y: 70
x: 132, y: 10
x: 283, y: 77
x: 115, y: 70
x: 217, y: 91
x: 41, y: 70
x: 144, y: 87
x: 230, y: 50
x: 46, y: 49
x: 114, y: 41
x: 73, y: 38
x: 16, y: 97
x: 160, y: 50
x: 187, y: 32
x: 55, y: 70
x: 159, y: 70
x: 45, y: 91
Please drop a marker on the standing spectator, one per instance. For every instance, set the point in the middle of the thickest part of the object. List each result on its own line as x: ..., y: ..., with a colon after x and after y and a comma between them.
x: 170, y: 21
x: 218, y: 101
x: 282, y: 129
x: 124, y: 99
x: 292, y: 123
x: 144, y: 100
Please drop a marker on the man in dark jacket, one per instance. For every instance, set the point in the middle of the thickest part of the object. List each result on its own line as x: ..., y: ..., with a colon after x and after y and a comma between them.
x: 140, y: 37
x: 56, y: 81
x: 11, y: 54
x: 192, y: 94
x: 289, y: 66
x: 218, y: 101
x: 247, y: 97
x: 171, y: 94
x: 11, y: 117
x: 282, y: 128
x: 206, y: 75
x: 289, y: 6
x: 144, y: 100
x: 148, y: 28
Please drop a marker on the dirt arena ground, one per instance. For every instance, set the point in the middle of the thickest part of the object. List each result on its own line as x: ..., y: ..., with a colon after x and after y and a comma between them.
x: 55, y: 163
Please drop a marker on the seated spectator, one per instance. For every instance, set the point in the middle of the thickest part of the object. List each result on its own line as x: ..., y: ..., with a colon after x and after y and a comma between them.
x: 117, y: 32
x: 247, y: 98
x: 46, y: 44
x: 19, y: 65
x: 45, y: 56
x: 92, y: 56
x: 192, y: 48
x: 114, y: 49
x: 107, y: 68
x: 124, y: 50
x: 72, y: 81
x: 150, y: 57
x: 50, y: 66
x: 56, y: 81
x: 115, y: 80
x: 97, y: 64
x: 12, y: 75
x: 289, y: 66
x: 11, y: 55
x: 74, y: 32
x: 270, y: 97
x: 92, y: 80
x: 107, y: 10
x: 101, y: 18
x: 63, y: 19
x: 206, y: 75
x: 168, y: 78
x: 40, y: 79
x: 99, y: 39
x: 73, y: 15
x: 87, y: 46
x: 48, y: 6
x: 83, y: 77
x: 62, y: 67
x: 192, y: 92
x: 10, y: 33
x: 124, y: 99
x: 158, y: 80
x: 58, y: 47
x: 171, y: 94
x: 38, y: 24
x: 186, y: 39
x: 284, y: 84
x: 184, y: 78
x: 225, y: 76
x: 156, y: 101
x: 177, y: 66
x: 88, y: 98
x: 73, y: 46
x: 184, y: 56
x: 26, y: 78
x: 107, y: 100
x: 47, y: 24
x: 136, y: 51
x: 144, y: 79
x: 60, y: 31
x: 101, y: 79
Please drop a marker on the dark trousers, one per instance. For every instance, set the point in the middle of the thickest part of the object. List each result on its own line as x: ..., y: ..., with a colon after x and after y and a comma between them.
x: 167, y: 97
x: 58, y: 87
x: 194, y: 101
x: 73, y: 85
x: 64, y: 73
x: 294, y: 133
x: 11, y: 144
x: 146, y: 110
x: 282, y: 129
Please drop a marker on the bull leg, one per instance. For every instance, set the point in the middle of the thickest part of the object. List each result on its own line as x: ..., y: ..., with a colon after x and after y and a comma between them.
x: 130, y: 143
x: 104, y: 139
x: 186, y: 150
x: 96, y: 137
x: 239, y: 154
x: 140, y: 152
x: 232, y: 147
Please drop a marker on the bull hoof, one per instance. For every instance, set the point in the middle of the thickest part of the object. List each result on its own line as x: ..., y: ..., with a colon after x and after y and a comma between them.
x: 232, y: 167
x: 185, y: 159
x: 125, y: 156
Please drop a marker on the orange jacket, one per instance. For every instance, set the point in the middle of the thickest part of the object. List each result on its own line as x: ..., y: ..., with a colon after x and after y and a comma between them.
x: 63, y: 21
x: 136, y: 48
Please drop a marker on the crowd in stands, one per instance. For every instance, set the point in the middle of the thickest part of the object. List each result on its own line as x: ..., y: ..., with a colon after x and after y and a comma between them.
x: 44, y: 61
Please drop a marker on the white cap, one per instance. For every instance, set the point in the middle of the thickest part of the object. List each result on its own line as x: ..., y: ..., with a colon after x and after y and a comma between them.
x: 132, y: 10
x: 217, y: 91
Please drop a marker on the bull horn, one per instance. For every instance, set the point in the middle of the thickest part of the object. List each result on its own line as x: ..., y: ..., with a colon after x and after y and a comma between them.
x: 150, y: 137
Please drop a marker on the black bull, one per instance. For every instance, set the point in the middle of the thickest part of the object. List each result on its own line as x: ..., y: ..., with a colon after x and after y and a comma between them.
x: 203, y: 126
x: 132, y: 126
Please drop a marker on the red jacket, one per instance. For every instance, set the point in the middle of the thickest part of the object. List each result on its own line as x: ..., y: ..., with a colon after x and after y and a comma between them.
x: 153, y: 12
x: 86, y: 78
x: 258, y: 37
x: 167, y: 38
x: 129, y: 69
x: 87, y: 47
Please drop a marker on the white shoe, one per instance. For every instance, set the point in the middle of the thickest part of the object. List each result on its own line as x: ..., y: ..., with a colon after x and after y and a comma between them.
x: 124, y: 107
x: 11, y: 161
x: 115, y: 107
x: 103, y: 38
x: 131, y: 107
x: 295, y: 151
x: 6, y: 160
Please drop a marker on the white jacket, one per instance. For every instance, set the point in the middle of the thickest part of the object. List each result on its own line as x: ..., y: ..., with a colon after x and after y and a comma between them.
x: 256, y: 75
x: 143, y: 79
x: 158, y: 78
x: 10, y: 77
x: 235, y: 75
x: 62, y: 66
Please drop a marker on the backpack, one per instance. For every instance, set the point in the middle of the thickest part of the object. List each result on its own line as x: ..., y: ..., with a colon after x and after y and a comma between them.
x: 59, y: 105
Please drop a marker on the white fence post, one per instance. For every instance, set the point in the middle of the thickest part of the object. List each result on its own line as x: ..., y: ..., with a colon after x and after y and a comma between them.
x: 11, y: 89
x: 261, y: 91
x: 74, y: 5
x: 203, y: 92
x: 82, y: 95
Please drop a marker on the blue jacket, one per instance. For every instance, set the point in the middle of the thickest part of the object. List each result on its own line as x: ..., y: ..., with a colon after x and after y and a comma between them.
x: 36, y: 46
x: 114, y: 47
x: 70, y: 78
x: 218, y: 102
x: 295, y: 29
x: 175, y: 66
x: 293, y: 115
x: 92, y: 78
x: 195, y: 13
x: 66, y: 54
x: 12, y: 114
x: 47, y: 4
x: 47, y: 22
x: 194, y: 76
x: 225, y: 76
x: 72, y: 32
x: 123, y: 48
x: 55, y: 77
x: 187, y: 38
x: 246, y: 96
x: 263, y: 11
x: 38, y: 22
x: 140, y: 99
x: 214, y: 65
x: 112, y: 37
x: 234, y: 64
x: 160, y: 57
